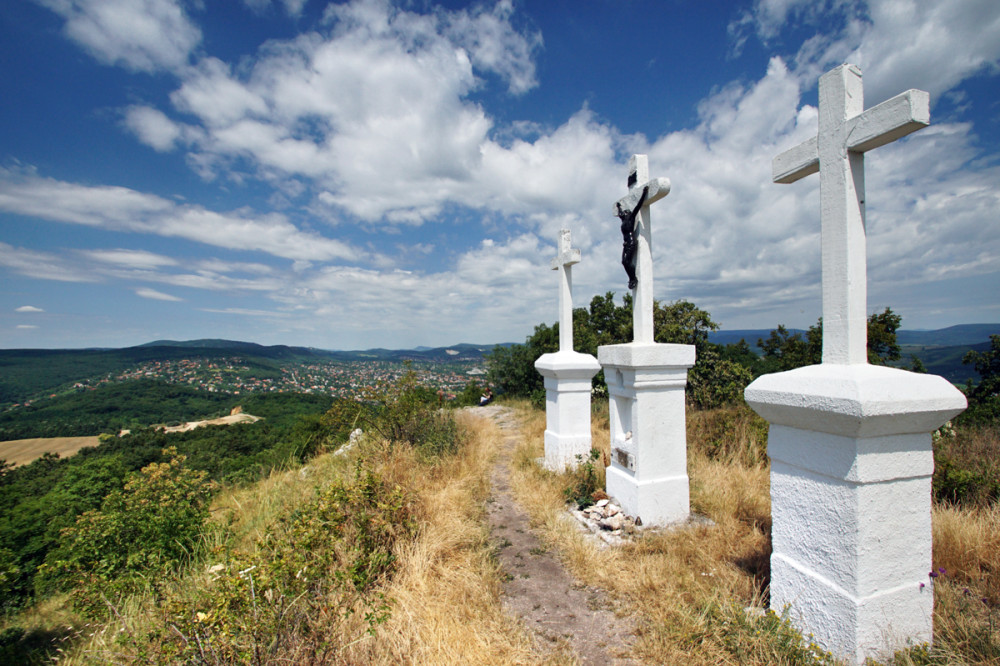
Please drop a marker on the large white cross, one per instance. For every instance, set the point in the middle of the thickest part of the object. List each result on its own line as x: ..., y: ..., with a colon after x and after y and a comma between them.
x: 642, y: 295
x: 846, y: 132
x: 563, y: 262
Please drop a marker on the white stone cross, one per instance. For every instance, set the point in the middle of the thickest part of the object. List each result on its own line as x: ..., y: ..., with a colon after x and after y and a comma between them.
x: 642, y: 295
x: 563, y: 262
x: 846, y: 132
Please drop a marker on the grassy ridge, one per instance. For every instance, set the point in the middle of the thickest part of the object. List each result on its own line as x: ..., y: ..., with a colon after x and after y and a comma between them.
x: 433, y: 596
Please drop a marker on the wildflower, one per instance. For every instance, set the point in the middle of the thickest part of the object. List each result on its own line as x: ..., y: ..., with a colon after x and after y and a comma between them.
x: 942, y: 570
x: 922, y: 586
x: 933, y: 574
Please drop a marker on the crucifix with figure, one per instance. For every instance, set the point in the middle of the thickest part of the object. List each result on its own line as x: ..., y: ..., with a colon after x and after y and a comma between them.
x: 563, y: 262
x: 647, y: 474
x: 633, y: 210
x: 846, y: 132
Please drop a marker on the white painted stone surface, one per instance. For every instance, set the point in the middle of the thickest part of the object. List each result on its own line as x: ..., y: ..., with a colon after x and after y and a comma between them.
x: 563, y: 262
x: 851, y: 466
x: 850, y: 444
x: 568, y: 376
x: 846, y: 132
x: 648, y: 471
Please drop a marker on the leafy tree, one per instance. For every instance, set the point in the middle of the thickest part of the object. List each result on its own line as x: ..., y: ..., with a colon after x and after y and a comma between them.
x: 984, y: 397
x: 882, y: 345
x: 682, y: 322
x: 783, y: 350
x: 715, y: 381
x: 512, y: 371
x: 147, y: 528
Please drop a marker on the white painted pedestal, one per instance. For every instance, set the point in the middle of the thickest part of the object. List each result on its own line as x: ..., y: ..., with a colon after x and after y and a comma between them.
x: 568, y: 377
x: 648, y: 471
x: 851, y: 466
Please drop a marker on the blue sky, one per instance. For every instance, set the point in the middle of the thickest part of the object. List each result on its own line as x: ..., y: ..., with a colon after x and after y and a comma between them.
x: 372, y: 173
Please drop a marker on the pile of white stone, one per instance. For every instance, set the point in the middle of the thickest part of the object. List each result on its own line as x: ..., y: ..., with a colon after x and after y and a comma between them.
x: 607, y: 520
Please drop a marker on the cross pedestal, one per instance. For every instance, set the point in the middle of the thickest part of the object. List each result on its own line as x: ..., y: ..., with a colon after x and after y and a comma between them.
x: 567, y: 376
x: 648, y: 470
x: 851, y: 466
x: 850, y: 443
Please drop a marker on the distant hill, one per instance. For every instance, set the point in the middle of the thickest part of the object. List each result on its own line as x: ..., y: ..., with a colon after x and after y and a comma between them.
x: 941, y: 351
x: 963, y: 334
x: 31, y: 373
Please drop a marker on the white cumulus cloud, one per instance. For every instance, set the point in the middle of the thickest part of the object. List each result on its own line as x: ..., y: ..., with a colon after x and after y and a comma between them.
x: 140, y: 35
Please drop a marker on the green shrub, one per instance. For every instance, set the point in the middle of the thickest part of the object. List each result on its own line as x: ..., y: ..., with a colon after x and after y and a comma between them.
x: 324, y: 562
x: 145, y: 530
x: 406, y: 413
x: 967, y: 464
x: 717, y: 382
x: 584, y: 482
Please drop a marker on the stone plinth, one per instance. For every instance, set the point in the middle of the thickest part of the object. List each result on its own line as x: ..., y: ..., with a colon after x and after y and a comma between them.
x: 568, y: 377
x: 648, y: 470
x: 851, y: 466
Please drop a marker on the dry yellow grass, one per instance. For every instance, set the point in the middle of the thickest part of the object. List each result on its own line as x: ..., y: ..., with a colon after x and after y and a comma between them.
x: 444, y: 596
x: 967, y: 547
x: 23, y: 451
x: 687, y: 588
x: 665, y: 580
x: 447, y: 607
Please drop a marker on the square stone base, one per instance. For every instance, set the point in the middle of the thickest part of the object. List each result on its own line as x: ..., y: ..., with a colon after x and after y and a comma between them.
x: 656, y: 502
x: 564, y: 452
x: 853, y: 629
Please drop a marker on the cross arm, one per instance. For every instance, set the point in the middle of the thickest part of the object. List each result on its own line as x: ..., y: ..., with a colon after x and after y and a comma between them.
x: 890, y: 120
x: 797, y: 162
x: 658, y: 188
x: 566, y: 258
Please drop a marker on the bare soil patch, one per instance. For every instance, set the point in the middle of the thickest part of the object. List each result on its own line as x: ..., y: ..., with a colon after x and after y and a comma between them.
x: 565, y: 615
x: 232, y: 419
x: 23, y: 451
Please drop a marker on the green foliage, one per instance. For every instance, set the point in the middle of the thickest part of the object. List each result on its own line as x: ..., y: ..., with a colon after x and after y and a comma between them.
x: 681, y: 322
x: 735, y: 434
x: 147, y: 529
x: 10, y: 578
x: 512, y: 369
x: 584, y: 481
x: 328, y: 559
x: 882, y: 345
x: 39, y: 500
x: 110, y: 408
x: 784, y: 350
x: 967, y: 464
x: 984, y: 397
x: 470, y: 395
x: 766, y: 637
x: 715, y: 381
x: 402, y: 413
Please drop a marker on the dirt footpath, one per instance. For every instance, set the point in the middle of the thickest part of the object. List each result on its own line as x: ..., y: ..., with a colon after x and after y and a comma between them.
x: 564, y: 614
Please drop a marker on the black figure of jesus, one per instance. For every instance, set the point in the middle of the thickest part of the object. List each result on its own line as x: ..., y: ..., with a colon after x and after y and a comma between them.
x: 629, y: 242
